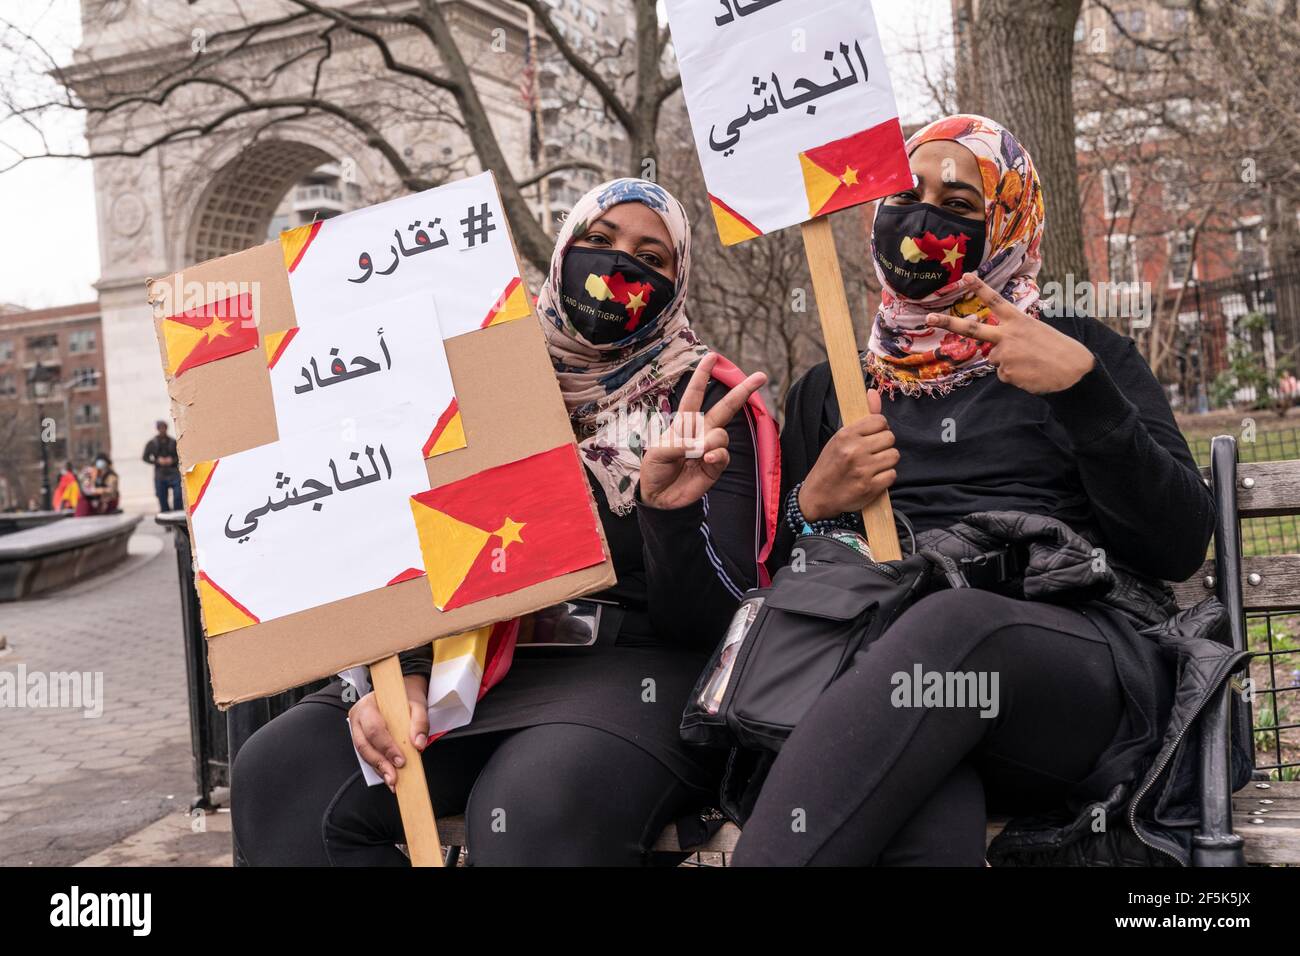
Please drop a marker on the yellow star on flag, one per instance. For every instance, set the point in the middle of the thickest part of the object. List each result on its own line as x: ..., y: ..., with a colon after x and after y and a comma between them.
x: 635, y: 302
x: 216, y: 328
x: 509, y: 532
x: 951, y: 256
x: 850, y: 177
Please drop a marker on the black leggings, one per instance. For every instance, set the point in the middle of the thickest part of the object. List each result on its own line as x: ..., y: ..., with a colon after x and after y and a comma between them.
x: 863, y: 780
x: 554, y: 794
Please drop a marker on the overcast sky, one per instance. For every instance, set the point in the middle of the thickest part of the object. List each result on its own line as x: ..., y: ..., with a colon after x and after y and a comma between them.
x: 49, y: 250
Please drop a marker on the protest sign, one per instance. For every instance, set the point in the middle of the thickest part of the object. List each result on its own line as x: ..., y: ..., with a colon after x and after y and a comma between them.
x: 375, y: 453
x: 794, y: 118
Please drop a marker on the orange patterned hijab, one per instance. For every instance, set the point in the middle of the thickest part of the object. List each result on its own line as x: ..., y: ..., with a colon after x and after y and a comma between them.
x: 903, y: 354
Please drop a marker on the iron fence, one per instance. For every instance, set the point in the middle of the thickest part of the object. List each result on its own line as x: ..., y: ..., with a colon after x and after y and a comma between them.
x: 1212, y: 321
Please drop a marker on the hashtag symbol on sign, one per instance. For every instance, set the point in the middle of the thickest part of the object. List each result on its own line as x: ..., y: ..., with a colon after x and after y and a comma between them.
x: 477, y: 224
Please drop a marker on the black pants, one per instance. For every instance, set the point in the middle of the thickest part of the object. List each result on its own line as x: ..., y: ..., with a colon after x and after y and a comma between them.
x: 554, y: 794
x: 866, y: 780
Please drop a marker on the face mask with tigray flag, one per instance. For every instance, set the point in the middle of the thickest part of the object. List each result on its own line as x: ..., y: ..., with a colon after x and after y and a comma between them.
x: 608, y: 294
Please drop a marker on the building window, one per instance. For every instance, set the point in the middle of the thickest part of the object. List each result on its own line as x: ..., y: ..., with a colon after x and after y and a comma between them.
x: 1134, y: 20
x: 85, y: 377
x: 85, y: 450
x: 8, y: 386
x: 1252, y: 248
x: 86, y: 414
x: 1173, y: 173
x: 40, y: 343
x: 1233, y: 306
x: 82, y: 340
x: 1180, y: 257
x: 1116, y: 187
x: 6, y: 350
x: 1122, y: 263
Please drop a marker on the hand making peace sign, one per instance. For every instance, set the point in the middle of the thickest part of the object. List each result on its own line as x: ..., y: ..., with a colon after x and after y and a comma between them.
x: 1028, y: 353
x: 692, y: 453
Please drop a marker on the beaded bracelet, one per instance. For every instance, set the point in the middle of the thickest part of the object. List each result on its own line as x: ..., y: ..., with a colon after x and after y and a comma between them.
x: 801, y: 525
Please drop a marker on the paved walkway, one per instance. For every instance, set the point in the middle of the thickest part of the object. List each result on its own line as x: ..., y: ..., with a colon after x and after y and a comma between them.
x: 73, y: 786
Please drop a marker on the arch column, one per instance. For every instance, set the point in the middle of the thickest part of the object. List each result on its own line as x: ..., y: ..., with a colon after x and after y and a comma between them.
x: 131, y: 211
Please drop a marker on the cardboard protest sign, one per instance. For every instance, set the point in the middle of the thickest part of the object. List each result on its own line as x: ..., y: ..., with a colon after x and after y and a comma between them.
x: 791, y: 107
x: 374, y: 448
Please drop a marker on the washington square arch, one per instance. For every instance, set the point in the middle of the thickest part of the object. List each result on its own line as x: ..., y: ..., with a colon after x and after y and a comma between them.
x: 195, y: 173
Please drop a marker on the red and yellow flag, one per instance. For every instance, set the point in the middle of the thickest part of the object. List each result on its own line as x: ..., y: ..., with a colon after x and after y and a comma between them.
x: 221, y: 612
x: 510, y: 305
x: 950, y: 251
x: 67, y: 495
x: 507, y: 528
x: 856, y: 169
x: 210, y: 332
x: 732, y: 226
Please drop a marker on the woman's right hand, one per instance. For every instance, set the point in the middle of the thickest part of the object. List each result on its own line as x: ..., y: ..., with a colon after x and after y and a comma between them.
x: 370, y: 734
x: 854, y: 469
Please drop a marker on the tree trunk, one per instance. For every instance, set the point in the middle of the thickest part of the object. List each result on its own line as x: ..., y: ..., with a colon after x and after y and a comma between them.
x: 1023, y: 60
x: 642, y: 147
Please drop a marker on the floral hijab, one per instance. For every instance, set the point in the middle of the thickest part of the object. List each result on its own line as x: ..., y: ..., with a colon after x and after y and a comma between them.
x: 903, y: 353
x: 619, y: 395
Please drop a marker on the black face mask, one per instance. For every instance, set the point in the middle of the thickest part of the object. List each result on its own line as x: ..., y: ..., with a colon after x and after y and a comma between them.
x: 608, y: 295
x: 921, y: 248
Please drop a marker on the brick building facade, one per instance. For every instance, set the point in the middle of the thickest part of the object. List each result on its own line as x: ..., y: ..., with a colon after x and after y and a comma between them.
x: 53, y: 396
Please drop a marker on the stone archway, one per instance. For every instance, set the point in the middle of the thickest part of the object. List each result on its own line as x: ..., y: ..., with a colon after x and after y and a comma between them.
x: 235, y: 209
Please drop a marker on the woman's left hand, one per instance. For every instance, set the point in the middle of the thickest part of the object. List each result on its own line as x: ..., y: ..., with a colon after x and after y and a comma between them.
x: 692, y: 453
x: 1027, y: 352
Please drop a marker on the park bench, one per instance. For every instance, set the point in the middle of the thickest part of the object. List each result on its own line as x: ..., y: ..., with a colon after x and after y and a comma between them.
x: 57, y: 553
x: 11, y: 521
x: 1261, y: 822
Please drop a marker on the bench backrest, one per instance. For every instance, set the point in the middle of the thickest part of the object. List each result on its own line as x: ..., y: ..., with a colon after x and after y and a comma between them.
x: 1267, y: 583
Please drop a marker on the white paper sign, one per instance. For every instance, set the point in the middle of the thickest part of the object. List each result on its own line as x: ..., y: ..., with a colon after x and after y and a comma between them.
x: 449, y: 243
x: 791, y: 107
x: 315, y: 517
x: 377, y: 355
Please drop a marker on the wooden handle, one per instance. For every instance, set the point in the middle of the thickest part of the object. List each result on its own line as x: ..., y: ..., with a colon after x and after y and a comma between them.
x: 412, y: 791
x: 846, y: 367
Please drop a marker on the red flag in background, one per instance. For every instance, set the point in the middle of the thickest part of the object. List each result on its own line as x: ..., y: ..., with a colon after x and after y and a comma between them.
x: 507, y: 528
x: 68, y: 496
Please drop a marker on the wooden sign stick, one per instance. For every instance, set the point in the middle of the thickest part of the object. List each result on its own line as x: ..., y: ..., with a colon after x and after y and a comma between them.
x: 412, y: 791
x: 846, y: 367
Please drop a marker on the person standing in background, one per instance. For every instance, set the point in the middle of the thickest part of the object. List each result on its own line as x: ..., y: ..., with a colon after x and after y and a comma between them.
x: 161, y: 453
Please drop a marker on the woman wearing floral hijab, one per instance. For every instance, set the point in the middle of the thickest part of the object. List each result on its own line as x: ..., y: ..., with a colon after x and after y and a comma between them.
x: 574, y: 757
x: 991, y: 405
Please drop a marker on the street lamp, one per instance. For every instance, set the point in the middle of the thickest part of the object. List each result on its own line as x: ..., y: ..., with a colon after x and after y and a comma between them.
x: 38, y: 384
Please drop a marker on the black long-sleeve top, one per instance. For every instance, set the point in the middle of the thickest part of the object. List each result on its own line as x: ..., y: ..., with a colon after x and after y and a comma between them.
x: 681, y: 574
x: 1105, y: 455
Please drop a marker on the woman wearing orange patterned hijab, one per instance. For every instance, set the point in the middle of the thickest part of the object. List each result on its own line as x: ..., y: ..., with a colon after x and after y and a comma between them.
x: 921, y: 251
x: 1065, y: 478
